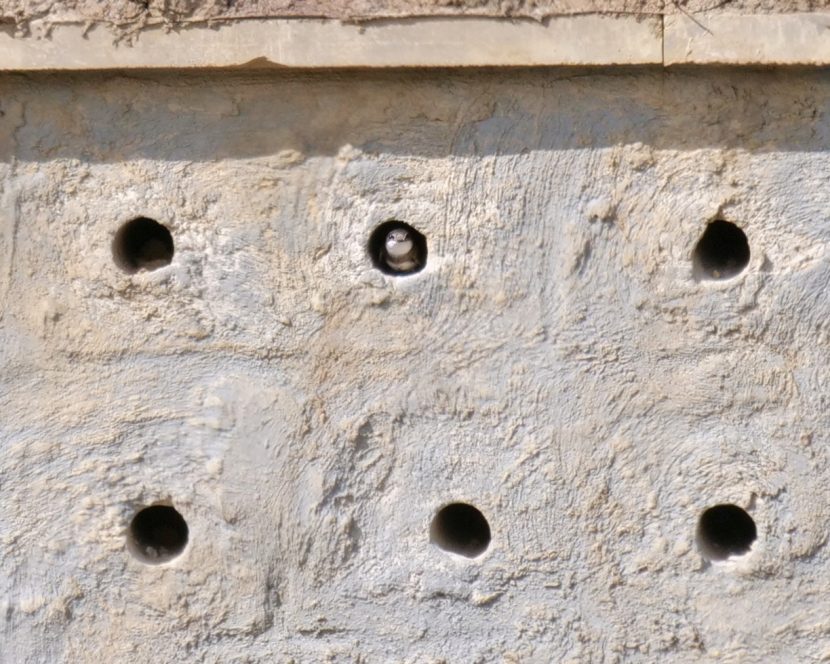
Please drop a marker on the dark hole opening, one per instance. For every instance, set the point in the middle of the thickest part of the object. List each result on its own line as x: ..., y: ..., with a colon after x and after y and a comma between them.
x: 724, y: 531
x: 398, y: 249
x: 722, y: 251
x: 142, y: 244
x: 157, y: 534
x: 462, y: 529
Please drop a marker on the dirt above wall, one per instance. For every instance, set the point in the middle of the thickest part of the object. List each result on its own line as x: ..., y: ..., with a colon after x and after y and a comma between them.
x: 130, y: 14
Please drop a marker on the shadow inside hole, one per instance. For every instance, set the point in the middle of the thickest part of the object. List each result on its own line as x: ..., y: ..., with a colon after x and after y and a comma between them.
x: 142, y: 244
x: 722, y: 251
x: 724, y: 531
x: 390, y: 262
x: 462, y: 529
x: 157, y: 534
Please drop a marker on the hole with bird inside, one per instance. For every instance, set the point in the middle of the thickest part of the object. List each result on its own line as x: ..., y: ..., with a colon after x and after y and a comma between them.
x: 397, y: 249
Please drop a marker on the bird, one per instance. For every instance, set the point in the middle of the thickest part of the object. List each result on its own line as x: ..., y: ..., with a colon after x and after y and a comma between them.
x: 399, y: 252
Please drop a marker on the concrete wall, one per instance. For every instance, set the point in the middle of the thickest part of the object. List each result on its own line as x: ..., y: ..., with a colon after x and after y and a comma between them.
x: 559, y: 363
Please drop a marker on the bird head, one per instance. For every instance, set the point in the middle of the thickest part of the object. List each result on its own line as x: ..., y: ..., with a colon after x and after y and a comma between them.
x: 398, y: 243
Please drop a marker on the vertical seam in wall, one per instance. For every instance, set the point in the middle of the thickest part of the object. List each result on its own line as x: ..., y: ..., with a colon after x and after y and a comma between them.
x: 663, y: 39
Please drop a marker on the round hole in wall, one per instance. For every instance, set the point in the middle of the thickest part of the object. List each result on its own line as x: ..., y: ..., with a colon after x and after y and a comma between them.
x: 142, y: 244
x: 724, y: 531
x: 721, y: 252
x: 157, y: 534
x: 398, y: 249
x: 462, y: 529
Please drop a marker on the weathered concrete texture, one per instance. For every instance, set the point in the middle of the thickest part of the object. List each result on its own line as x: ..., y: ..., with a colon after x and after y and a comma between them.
x: 133, y: 14
x: 556, y: 364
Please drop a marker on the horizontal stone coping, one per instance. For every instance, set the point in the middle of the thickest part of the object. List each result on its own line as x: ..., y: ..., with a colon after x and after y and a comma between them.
x: 754, y: 39
x: 583, y: 40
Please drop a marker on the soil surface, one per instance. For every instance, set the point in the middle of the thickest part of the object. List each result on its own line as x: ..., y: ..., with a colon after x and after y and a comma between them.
x: 130, y: 15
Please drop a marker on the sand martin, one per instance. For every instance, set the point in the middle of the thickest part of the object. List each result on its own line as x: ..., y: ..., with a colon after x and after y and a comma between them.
x: 399, y: 252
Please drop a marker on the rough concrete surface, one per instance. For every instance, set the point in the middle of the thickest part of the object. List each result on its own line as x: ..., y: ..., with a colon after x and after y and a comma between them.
x: 130, y: 15
x: 556, y: 364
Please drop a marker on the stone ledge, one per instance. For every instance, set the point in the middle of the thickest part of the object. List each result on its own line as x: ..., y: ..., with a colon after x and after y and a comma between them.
x: 740, y: 39
x: 586, y: 40
x: 310, y: 43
